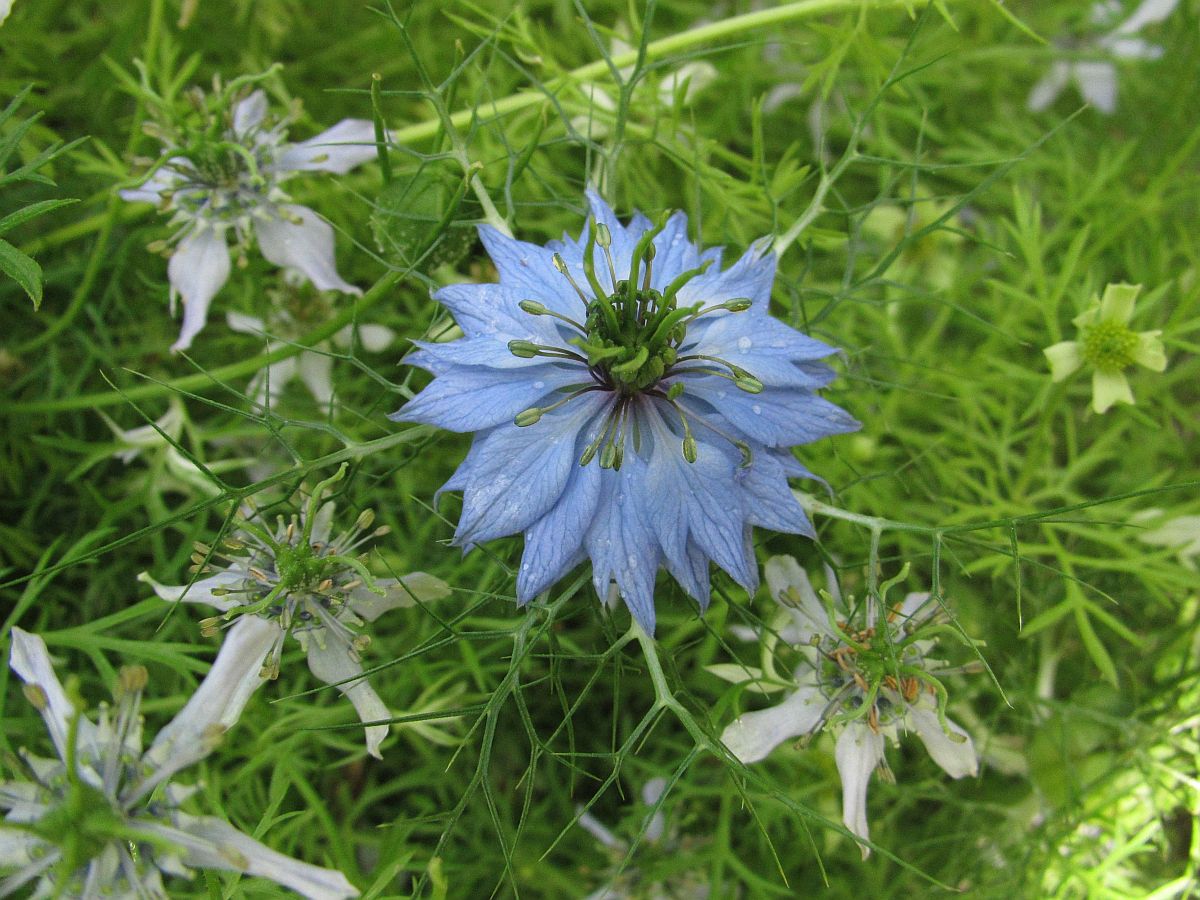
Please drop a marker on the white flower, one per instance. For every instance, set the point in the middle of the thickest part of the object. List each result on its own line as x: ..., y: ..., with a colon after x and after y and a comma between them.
x: 1097, y: 78
x: 236, y: 184
x: 1181, y: 533
x: 5, y: 9
x: 1109, y: 346
x: 177, y: 473
x: 299, y: 579
x: 313, y: 367
x: 690, y: 78
x: 865, y: 681
x: 104, y: 818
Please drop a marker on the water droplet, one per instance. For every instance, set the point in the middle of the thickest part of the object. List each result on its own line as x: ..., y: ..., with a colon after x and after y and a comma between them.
x: 539, y: 385
x: 744, y: 343
x: 632, y: 561
x: 756, y: 409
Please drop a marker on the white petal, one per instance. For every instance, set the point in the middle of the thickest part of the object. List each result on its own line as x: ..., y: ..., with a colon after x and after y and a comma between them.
x: 1149, y: 12
x: 29, y: 658
x: 857, y: 753
x: 200, y: 591
x: 1117, y: 302
x: 1133, y: 48
x: 790, y: 587
x: 349, y: 143
x: 151, y: 190
x: 1065, y: 358
x: 753, y: 735
x: 323, y: 523
x: 218, y: 701
x: 333, y: 663
x: 211, y: 843
x: 1098, y: 83
x: 957, y: 758
x: 307, y: 246
x: 596, y: 829
x: 1047, y: 90
x: 917, y: 607
x: 375, y: 338
x: 407, y: 591
x: 245, y: 324
x: 652, y: 790
x: 1109, y: 388
x: 267, y: 386
x: 696, y: 75
x: 315, y: 370
x: 199, y: 268
x: 17, y: 847
x: 249, y: 113
x: 1149, y: 351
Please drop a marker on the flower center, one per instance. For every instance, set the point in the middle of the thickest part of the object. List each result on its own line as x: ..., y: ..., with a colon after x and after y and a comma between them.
x: 630, y: 340
x: 298, y: 566
x: 1109, y: 345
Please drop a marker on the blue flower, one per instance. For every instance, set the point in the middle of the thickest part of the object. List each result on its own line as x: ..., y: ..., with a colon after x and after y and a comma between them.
x: 634, y: 406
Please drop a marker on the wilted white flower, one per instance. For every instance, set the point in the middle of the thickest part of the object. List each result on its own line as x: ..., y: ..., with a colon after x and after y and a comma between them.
x: 233, y: 183
x: 313, y: 367
x: 863, y: 680
x: 690, y: 78
x: 1181, y: 533
x: 1108, y: 345
x: 104, y: 819
x: 1093, y: 71
x: 298, y: 578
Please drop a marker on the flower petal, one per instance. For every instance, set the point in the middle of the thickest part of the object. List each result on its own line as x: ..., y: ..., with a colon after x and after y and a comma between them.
x: 471, y: 398
x: 1065, y: 358
x: 554, y: 543
x: 198, y: 591
x: 1047, y: 90
x: 349, y: 143
x: 858, y: 752
x: 777, y: 417
x: 1098, y: 83
x: 1109, y: 387
x: 199, y: 268
x: 245, y: 324
x: 957, y: 758
x: 30, y: 659
x: 1149, y: 12
x: 211, y: 843
x: 409, y: 590
x: 249, y: 113
x: 316, y: 370
x: 791, y: 588
x: 375, y: 338
x: 219, y: 699
x: 753, y: 735
x: 1149, y: 351
x: 305, y: 245
x: 1117, y: 303
x: 335, y: 662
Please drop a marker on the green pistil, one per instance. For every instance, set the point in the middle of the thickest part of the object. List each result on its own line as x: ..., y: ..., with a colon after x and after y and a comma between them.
x: 1109, y: 346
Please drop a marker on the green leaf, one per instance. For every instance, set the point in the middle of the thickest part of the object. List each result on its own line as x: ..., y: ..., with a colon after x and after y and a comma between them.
x: 23, y: 270
x: 32, y: 211
x: 1094, y: 646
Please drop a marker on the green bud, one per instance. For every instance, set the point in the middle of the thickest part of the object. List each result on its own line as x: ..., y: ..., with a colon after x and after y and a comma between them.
x: 533, y: 307
x: 528, y: 417
x: 675, y: 391
x: 689, y: 448
x: 523, y: 349
x: 603, y: 237
x: 748, y: 383
x: 739, y: 305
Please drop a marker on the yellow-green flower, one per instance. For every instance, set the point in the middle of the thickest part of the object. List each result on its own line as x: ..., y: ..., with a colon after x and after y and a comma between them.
x: 1108, y: 345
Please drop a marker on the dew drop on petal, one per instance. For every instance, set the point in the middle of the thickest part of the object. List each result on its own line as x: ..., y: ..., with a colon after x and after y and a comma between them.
x: 539, y: 385
x: 756, y: 409
x: 744, y: 343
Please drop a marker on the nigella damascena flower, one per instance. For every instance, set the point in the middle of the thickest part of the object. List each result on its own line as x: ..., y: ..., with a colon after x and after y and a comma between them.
x: 105, y: 819
x: 635, y: 405
x: 865, y: 676
x: 297, y: 578
x: 232, y: 182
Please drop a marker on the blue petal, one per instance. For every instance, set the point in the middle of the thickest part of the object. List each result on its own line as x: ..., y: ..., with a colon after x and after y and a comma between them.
x: 472, y: 398
x: 521, y: 472
x: 777, y: 417
x: 491, y: 310
x: 482, y: 351
x: 622, y: 547
x: 528, y: 270
x: 768, y: 497
x: 554, y: 543
x: 751, y: 276
x: 771, y: 351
